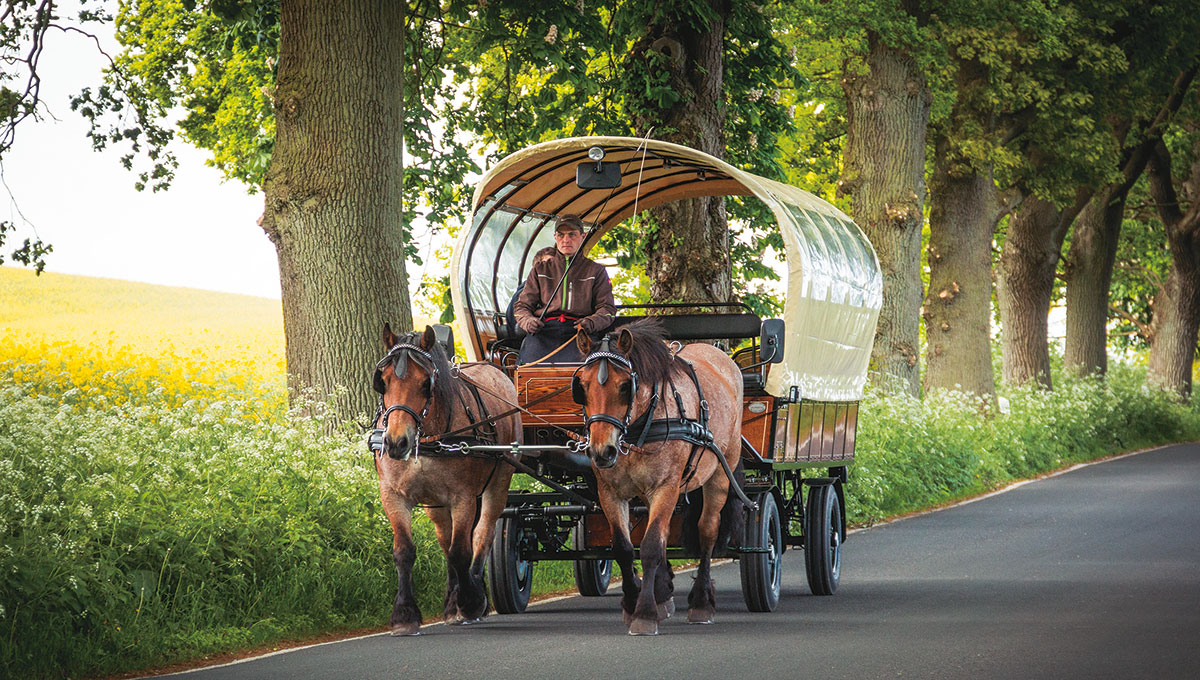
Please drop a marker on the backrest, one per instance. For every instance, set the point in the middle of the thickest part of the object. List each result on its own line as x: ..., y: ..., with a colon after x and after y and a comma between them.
x: 717, y: 326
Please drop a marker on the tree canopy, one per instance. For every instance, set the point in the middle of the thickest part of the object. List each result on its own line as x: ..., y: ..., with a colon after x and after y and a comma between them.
x: 1038, y: 104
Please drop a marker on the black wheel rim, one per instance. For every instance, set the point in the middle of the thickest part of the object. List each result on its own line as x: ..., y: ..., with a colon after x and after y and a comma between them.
x: 835, y: 540
x: 522, y: 569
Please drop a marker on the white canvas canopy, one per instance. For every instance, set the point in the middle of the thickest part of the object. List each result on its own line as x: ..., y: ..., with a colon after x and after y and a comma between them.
x: 834, y: 286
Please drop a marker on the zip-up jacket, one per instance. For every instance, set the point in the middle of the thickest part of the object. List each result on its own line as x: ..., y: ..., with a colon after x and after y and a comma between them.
x: 586, y: 294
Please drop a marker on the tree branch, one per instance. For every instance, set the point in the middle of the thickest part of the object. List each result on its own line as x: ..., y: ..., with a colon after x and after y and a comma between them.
x: 1143, y: 328
x: 1140, y: 154
x: 1152, y: 277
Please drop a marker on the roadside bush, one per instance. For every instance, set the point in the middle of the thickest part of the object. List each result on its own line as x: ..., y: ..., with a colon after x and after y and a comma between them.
x: 913, y: 454
x: 141, y: 533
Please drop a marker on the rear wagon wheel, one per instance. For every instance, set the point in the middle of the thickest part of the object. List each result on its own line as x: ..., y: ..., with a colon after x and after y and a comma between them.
x: 591, y: 576
x: 823, y: 539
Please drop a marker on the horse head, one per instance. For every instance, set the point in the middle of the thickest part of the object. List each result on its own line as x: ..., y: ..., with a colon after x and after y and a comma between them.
x: 615, y: 383
x: 407, y: 380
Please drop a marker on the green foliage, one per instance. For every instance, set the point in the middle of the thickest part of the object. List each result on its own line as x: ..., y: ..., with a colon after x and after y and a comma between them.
x: 31, y: 253
x: 213, y: 61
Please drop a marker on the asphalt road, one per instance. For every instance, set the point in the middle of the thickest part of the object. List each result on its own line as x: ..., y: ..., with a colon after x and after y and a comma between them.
x: 1090, y: 574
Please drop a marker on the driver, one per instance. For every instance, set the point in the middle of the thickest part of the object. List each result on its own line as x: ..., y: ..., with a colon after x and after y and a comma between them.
x: 551, y: 312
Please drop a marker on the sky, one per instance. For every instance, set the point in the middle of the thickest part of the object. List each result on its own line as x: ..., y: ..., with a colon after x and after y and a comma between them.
x: 201, y: 233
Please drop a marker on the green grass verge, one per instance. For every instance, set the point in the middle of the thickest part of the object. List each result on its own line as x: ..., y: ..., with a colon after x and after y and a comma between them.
x: 150, y: 532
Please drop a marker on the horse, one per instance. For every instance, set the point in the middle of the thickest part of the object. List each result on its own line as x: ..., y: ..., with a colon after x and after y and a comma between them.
x: 421, y: 397
x: 623, y: 386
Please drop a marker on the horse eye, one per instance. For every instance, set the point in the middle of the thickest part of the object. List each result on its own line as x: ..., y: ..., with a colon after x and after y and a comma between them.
x: 427, y: 386
x: 626, y: 390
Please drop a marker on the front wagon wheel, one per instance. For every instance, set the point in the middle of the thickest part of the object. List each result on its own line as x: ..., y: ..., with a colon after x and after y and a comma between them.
x: 762, y: 570
x: 510, y: 578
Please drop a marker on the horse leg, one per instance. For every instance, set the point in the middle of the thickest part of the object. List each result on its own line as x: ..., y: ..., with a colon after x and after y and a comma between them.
x: 406, y: 616
x: 654, y: 559
x: 442, y: 527
x: 617, y: 512
x: 492, y: 503
x: 471, y: 597
x: 702, y: 600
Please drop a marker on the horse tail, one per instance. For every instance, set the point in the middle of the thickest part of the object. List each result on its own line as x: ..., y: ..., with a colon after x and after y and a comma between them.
x: 733, y: 516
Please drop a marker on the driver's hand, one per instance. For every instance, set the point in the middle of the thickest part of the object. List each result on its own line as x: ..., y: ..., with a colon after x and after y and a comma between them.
x: 531, y: 325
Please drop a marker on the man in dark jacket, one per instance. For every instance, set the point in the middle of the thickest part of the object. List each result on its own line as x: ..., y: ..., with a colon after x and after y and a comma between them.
x: 551, y: 308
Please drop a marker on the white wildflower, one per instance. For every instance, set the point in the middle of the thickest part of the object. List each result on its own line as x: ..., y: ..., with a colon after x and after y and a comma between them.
x: 552, y: 34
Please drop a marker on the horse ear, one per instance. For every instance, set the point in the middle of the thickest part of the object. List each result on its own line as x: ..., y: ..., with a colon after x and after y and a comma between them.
x: 625, y: 341
x: 428, y: 338
x: 389, y: 338
x: 584, y: 342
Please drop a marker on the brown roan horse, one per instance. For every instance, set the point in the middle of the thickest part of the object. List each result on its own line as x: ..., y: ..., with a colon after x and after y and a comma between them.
x: 623, y: 376
x: 421, y: 399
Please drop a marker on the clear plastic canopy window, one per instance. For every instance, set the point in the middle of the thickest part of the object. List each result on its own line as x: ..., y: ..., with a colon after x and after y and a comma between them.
x: 834, y: 286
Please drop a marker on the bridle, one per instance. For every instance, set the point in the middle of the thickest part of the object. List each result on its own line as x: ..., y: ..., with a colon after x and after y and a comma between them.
x: 398, y: 356
x: 605, y: 357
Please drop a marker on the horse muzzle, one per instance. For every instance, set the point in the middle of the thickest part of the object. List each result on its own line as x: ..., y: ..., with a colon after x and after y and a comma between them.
x: 399, y: 448
x: 604, y: 457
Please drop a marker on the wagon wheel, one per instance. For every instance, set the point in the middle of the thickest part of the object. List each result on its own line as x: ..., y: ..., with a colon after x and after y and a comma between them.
x: 591, y: 576
x: 762, y: 572
x: 823, y: 532
x: 510, y: 578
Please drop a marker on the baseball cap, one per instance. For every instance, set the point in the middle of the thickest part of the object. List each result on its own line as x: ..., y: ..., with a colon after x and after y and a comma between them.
x: 569, y: 223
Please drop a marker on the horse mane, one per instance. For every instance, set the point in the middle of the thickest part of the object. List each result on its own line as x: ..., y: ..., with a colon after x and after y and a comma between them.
x: 443, y: 387
x: 649, y: 354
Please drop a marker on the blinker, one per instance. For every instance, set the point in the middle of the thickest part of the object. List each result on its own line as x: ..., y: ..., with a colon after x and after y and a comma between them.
x: 577, y: 394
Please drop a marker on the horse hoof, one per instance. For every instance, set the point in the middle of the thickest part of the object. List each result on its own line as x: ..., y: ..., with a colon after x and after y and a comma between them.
x: 626, y: 617
x: 700, y: 616
x: 666, y: 609
x: 643, y: 627
x: 463, y: 621
x: 406, y: 629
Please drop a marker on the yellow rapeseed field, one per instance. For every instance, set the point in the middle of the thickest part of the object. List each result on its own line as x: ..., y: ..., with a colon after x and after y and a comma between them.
x: 107, y: 337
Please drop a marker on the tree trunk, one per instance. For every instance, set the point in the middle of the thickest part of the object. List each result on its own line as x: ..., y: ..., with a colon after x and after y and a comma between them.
x: 1177, y: 305
x: 884, y: 176
x: 1089, y: 275
x: 957, y: 309
x: 688, y: 251
x: 333, y: 191
x: 1024, y: 288
x: 1176, y: 320
x: 1094, y: 246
